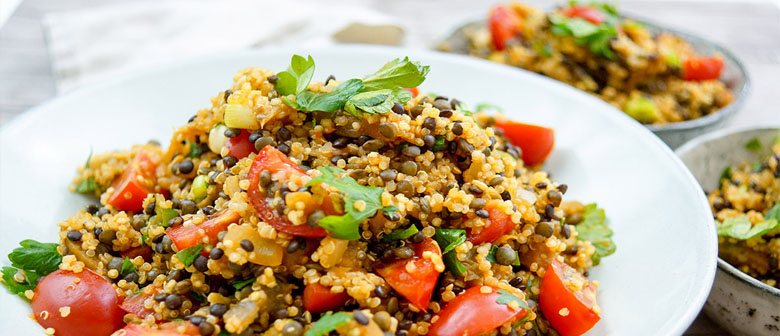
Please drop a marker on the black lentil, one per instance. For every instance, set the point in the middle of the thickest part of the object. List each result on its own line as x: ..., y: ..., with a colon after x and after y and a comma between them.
x: 232, y: 132
x: 74, y: 235
x: 206, y: 329
x: 398, y: 108
x: 482, y: 213
x: 201, y: 263
x: 360, y: 317
x: 457, y: 129
x: 173, y: 301
x: 229, y: 161
x: 247, y: 245
x: 218, y: 309
x: 283, y: 134
x: 186, y: 166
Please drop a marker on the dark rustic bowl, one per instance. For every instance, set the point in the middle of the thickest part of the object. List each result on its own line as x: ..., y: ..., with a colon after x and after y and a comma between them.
x: 735, y: 76
x: 738, y: 302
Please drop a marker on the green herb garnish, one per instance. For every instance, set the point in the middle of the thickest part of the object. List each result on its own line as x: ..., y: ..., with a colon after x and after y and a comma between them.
x: 297, y: 77
x: 195, y: 150
x: 164, y: 215
x: 376, y: 102
x: 484, y: 106
x: 754, y: 145
x: 327, y: 323
x: 127, y: 267
x: 326, y: 102
x: 87, y: 186
x: 741, y: 228
x: 596, y: 37
x: 505, y: 298
x: 41, y: 258
x: 595, y: 230
x: 454, y: 265
x: 439, y: 144
x: 15, y: 287
x: 448, y: 240
x: 347, y: 226
x: 401, y: 234
x: 397, y: 73
x: 238, y: 285
x: 187, y: 256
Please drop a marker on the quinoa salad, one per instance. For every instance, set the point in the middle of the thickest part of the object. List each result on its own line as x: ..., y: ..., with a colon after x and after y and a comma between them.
x: 343, y: 207
x: 656, y: 78
x: 746, y: 206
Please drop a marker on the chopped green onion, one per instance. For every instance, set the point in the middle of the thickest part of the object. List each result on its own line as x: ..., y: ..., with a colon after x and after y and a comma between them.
x: 642, y: 109
x: 200, y: 187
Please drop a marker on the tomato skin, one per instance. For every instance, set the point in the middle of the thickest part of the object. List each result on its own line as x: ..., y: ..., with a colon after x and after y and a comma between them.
x: 165, y: 329
x: 92, y: 300
x: 143, y: 251
x: 129, y: 189
x: 135, y: 304
x: 554, y: 295
x: 188, y: 236
x: 414, y: 91
x: 504, y: 24
x: 536, y: 141
x: 240, y: 146
x: 278, y: 164
x: 498, y: 225
x: 702, y: 68
x: 319, y: 299
x: 586, y: 13
x: 417, y: 286
x: 474, y: 313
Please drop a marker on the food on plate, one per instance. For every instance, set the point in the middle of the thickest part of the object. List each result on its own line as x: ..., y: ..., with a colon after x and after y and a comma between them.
x: 656, y: 78
x: 295, y: 207
x: 746, y: 206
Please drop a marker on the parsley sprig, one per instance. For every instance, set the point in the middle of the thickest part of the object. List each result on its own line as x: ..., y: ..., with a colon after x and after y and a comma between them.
x: 327, y: 323
x: 741, y: 228
x: 596, y: 37
x: 32, y: 260
x: 448, y: 240
x: 374, y: 94
x: 594, y: 229
x: 347, y: 226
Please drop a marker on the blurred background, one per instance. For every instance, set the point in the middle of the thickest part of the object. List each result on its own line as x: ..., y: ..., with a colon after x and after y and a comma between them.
x: 48, y: 47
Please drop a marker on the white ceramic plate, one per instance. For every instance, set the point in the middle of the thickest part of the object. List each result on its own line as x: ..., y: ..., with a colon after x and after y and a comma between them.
x: 655, y: 284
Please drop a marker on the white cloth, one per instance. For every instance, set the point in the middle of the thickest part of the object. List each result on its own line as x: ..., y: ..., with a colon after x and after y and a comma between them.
x: 89, y: 43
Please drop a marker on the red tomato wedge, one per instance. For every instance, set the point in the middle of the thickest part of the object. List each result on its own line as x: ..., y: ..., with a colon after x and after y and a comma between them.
x: 143, y: 251
x: 418, y: 284
x: 191, y: 235
x: 280, y: 166
x: 90, y: 300
x: 474, y: 313
x: 135, y: 304
x: 498, y: 224
x: 586, y: 13
x: 570, y: 312
x: 414, y: 91
x: 536, y: 141
x: 165, y: 329
x: 504, y: 24
x: 240, y: 146
x: 319, y: 299
x: 702, y: 68
x: 136, y: 182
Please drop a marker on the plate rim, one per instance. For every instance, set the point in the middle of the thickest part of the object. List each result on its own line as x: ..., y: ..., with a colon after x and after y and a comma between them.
x: 645, y: 135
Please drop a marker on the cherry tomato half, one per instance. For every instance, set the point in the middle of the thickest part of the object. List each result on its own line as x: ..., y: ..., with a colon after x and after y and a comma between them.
x: 136, y: 182
x: 416, y: 285
x: 135, y: 304
x: 570, y: 311
x: 280, y: 166
x: 702, y: 68
x: 474, y: 313
x: 536, y: 141
x: 240, y: 146
x: 504, y: 24
x: 69, y: 302
x: 586, y: 13
x: 191, y: 235
x: 498, y: 224
x: 319, y: 299
x: 414, y: 91
x: 178, y: 328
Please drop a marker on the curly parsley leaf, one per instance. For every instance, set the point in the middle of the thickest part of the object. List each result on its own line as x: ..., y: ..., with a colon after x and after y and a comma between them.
x: 505, y: 298
x: 238, y: 285
x: 327, y: 323
x: 15, y: 287
x: 401, y: 234
x: 448, y: 239
x: 741, y: 228
x: 326, y: 102
x: 297, y: 76
x: 127, y: 267
x: 397, y: 73
x: 376, y: 102
x: 594, y: 229
x: 187, y: 256
x: 41, y: 258
x: 369, y: 200
x: 596, y: 37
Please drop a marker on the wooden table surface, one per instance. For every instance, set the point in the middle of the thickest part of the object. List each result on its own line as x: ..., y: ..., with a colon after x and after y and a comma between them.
x: 750, y: 29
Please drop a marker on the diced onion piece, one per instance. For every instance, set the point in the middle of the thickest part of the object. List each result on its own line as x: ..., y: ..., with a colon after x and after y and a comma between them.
x: 331, y: 250
x: 266, y: 252
x: 217, y: 138
x: 240, y: 116
x: 200, y: 187
x: 241, y: 315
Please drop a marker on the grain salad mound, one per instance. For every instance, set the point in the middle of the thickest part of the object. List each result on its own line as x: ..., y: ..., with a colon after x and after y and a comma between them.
x: 656, y: 78
x: 746, y: 206
x: 291, y: 207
